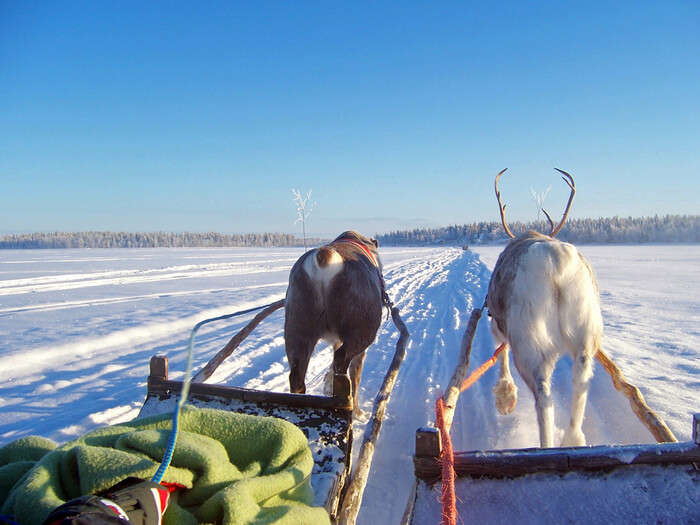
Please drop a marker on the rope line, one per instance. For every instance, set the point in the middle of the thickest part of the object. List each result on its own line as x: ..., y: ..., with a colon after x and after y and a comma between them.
x: 170, y: 448
x: 478, y: 372
x: 447, y: 460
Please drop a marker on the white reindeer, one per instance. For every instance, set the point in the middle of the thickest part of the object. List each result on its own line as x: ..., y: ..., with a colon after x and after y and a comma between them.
x: 543, y: 302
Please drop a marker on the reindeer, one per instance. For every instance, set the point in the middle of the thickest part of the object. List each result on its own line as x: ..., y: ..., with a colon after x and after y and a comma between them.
x: 543, y: 301
x: 335, y: 293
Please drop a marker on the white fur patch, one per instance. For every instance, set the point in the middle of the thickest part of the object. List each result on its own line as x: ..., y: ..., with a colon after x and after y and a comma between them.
x: 321, y: 277
x: 332, y: 339
x: 554, y: 304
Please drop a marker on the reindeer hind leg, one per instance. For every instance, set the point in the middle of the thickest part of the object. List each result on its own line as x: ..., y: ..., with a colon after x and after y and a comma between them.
x: 536, y: 371
x: 350, y: 355
x: 328, y: 378
x: 582, y: 371
x: 299, y: 352
x: 505, y: 391
x: 545, y: 411
x: 355, y: 371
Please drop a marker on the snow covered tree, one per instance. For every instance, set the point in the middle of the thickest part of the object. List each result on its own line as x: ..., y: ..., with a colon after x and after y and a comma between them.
x: 304, y: 209
x: 539, y: 199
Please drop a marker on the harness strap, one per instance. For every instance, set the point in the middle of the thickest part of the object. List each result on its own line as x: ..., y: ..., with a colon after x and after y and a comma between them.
x: 476, y: 374
x: 364, y: 249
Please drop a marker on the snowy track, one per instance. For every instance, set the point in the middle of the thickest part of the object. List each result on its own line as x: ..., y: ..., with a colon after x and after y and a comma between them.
x: 78, y: 327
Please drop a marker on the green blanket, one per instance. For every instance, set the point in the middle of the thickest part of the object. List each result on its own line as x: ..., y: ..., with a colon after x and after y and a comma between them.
x: 237, y: 469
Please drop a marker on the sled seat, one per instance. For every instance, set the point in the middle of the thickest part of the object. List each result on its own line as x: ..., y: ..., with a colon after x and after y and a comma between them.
x: 325, y: 420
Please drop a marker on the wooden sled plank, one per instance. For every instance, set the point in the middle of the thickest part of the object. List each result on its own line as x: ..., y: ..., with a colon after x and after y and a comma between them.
x: 519, y: 462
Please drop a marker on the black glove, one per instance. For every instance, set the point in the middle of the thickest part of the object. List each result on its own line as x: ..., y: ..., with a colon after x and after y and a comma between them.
x: 131, y: 502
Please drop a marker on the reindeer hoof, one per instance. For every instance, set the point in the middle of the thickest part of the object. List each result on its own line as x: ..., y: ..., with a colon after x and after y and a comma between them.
x: 506, y: 396
x: 360, y: 415
x: 573, y: 437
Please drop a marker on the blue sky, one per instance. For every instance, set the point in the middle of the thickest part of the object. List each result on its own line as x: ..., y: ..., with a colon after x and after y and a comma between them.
x: 201, y: 116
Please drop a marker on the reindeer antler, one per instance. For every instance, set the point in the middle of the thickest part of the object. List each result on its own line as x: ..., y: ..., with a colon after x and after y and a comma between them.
x: 551, y: 222
x: 570, y: 182
x: 502, y: 207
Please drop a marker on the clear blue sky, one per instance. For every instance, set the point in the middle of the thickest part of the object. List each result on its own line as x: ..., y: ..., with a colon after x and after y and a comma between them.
x: 201, y: 116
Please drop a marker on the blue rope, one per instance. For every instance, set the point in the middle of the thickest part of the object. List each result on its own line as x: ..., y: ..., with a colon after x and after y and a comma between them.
x: 158, y: 476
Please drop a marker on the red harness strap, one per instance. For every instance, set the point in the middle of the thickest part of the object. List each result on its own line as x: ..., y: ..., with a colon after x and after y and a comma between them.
x: 385, y: 298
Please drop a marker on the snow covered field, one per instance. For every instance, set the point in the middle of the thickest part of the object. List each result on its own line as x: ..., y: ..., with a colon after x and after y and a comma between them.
x: 78, y: 327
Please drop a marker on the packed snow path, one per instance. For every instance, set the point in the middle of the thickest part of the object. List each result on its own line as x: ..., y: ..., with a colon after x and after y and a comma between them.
x: 78, y: 327
x: 436, y: 297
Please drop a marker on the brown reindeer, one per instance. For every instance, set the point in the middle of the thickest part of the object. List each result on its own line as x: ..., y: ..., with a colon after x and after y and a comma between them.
x: 335, y: 293
x: 543, y: 301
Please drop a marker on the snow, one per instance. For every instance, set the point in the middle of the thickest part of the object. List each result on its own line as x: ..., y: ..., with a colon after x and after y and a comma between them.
x: 641, y: 494
x: 78, y: 327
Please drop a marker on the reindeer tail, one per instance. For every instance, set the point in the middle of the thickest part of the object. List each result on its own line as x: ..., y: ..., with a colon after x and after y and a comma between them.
x: 323, y: 266
x: 325, y: 255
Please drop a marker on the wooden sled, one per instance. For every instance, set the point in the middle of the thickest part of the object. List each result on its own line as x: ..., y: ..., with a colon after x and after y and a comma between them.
x: 657, y: 483
x: 325, y: 420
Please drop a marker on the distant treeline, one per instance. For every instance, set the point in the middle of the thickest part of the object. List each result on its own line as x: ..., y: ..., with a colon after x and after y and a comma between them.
x: 669, y: 228
x: 145, y: 240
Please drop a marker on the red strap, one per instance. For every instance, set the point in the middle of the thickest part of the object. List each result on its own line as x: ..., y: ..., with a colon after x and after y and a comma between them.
x: 449, y: 501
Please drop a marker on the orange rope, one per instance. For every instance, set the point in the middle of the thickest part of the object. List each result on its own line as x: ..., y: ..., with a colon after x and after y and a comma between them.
x: 476, y: 374
x: 449, y: 502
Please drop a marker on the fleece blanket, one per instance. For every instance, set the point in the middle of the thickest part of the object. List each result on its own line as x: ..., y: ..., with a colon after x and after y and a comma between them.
x: 237, y: 469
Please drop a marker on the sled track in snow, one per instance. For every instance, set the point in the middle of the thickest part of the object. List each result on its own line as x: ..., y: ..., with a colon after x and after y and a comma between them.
x: 435, y: 296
